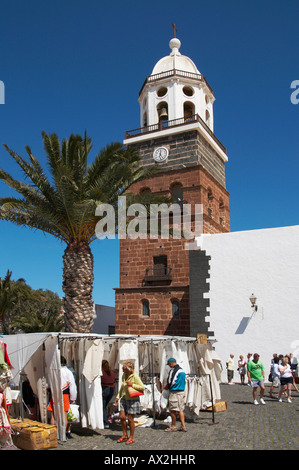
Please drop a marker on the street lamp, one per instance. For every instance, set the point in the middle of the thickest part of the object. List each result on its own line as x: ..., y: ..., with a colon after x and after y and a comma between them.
x: 252, y: 299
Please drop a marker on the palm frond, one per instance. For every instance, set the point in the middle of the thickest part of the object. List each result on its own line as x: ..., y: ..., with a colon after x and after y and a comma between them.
x: 63, y: 201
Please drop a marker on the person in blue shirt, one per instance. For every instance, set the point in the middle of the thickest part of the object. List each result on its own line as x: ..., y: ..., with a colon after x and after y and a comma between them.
x: 176, y: 382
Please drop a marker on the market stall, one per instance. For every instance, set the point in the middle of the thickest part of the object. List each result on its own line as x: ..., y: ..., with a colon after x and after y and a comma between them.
x: 38, y: 356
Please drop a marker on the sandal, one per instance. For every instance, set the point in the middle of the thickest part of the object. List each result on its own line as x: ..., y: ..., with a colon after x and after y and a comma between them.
x: 171, y: 429
x: 130, y: 441
x: 182, y: 429
x: 123, y: 439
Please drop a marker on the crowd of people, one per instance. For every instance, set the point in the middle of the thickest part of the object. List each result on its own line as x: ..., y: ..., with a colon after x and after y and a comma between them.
x: 282, y: 375
x: 127, y: 399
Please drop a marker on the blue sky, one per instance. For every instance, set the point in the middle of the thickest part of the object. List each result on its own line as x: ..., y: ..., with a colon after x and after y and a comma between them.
x: 73, y: 65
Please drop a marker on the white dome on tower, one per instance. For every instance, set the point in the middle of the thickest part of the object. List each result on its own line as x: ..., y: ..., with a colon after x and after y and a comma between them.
x: 175, y: 92
x: 175, y: 60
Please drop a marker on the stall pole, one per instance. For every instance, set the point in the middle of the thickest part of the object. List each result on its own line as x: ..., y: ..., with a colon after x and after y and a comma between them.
x: 153, y: 384
x: 21, y: 396
x: 213, y: 412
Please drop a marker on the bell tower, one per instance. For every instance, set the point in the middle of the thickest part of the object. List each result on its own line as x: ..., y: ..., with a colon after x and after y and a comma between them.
x: 158, y: 292
x: 175, y: 90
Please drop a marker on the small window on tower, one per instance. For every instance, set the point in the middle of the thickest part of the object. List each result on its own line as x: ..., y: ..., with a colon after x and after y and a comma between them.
x: 177, y: 194
x: 221, y: 212
x: 162, y: 91
x: 160, y: 265
x: 175, y: 308
x: 145, y: 308
x: 188, y: 91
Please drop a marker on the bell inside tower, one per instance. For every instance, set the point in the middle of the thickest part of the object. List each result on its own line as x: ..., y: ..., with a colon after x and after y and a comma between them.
x: 162, y: 112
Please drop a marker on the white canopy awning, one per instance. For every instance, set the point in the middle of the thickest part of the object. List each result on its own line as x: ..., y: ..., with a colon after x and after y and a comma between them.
x: 20, y: 349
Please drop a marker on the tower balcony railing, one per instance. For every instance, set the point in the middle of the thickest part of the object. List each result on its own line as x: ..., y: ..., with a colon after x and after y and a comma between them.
x: 158, y: 275
x: 175, y: 73
x: 162, y: 125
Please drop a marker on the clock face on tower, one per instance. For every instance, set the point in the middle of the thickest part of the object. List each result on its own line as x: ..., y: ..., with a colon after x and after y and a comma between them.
x: 160, y: 154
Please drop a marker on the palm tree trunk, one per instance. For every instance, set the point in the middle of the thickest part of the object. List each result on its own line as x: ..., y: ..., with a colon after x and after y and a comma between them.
x: 77, y: 287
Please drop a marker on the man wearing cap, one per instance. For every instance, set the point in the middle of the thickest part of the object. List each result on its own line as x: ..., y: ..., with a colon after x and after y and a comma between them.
x: 176, y: 382
x: 256, y: 375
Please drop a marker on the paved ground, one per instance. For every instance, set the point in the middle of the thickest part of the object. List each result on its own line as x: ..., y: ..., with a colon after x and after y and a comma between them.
x: 243, y: 426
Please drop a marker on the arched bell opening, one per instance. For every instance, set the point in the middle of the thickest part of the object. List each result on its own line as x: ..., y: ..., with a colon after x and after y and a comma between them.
x: 189, y: 111
x: 162, y: 110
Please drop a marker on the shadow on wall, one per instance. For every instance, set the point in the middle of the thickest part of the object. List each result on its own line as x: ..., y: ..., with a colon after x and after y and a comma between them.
x: 179, y: 324
x: 242, y: 326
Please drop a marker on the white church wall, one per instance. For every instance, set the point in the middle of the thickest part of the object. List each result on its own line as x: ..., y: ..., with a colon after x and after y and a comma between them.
x: 264, y: 262
x: 103, y: 320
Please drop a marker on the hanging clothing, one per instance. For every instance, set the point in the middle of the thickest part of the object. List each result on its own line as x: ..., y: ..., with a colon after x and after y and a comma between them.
x: 90, y: 384
x: 128, y: 351
x: 35, y: 371
x: 92, y: 367
x: 193, y: 362
x: 52, y: 360
x: 113, y: 356
x: 4, y: 359
x: 144, y: 358
x: 5, y: 373
x: 182, y: 357
x: 5, y: 428
x: 148, y: 400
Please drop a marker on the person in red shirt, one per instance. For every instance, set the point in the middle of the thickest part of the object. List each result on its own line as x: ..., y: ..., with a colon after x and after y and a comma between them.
x: 107, y: 380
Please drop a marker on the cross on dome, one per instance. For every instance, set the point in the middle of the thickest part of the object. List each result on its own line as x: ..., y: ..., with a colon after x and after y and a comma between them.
x: 174, y: 30
x: 174, y: 43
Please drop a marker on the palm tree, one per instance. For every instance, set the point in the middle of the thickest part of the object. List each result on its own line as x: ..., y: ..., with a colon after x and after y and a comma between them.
x: 65, y: 207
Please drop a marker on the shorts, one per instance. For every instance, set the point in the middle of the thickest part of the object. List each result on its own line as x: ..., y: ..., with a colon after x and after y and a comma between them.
x: 66, y: 403
x: 230, y: 374
x: 130, y: 407
x: 256, y: 383
x: 286, y: 380
x: 177, y: 401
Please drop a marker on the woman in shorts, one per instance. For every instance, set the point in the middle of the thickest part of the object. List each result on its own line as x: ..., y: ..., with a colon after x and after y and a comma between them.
x: 242, y: 369
x: 128, y: 406
x: 275, y: 374
x: 286, y: 379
